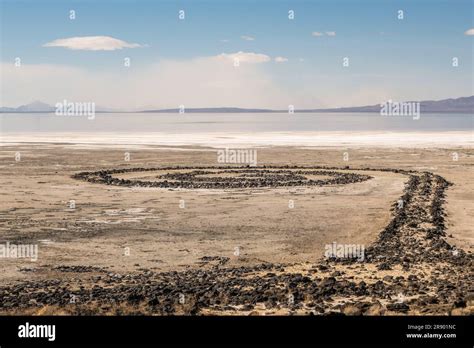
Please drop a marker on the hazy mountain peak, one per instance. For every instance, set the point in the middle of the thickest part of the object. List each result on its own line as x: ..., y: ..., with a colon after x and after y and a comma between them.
x: 36, y: 106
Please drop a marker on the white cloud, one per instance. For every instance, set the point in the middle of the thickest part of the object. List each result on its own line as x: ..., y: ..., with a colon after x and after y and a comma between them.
x: 244, y: 57
x: 211, y: 82
x: 319, y: 34
x: 92, y: 43
x: 247, y: 38
x: 281, y: 59
x: 469, y: 32
x: 200, y: 82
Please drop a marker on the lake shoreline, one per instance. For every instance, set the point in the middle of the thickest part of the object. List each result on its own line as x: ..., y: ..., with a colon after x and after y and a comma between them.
x: 256, y: 139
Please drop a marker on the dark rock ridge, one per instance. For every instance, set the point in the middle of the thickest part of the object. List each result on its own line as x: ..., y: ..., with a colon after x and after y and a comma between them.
x: 195, y: 177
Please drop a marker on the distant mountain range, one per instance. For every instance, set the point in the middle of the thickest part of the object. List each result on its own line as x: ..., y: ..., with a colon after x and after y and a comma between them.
x: 40, y: 107
x: 463, y: 105
x: 36, y: 106
x: 220, y: 110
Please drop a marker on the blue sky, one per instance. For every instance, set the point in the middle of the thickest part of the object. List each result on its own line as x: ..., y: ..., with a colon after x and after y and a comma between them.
x: 388, y: 57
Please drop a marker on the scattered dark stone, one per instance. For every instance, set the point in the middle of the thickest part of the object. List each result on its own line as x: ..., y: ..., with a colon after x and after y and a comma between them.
x: 398, y: 307
x: 384, y: 267
x: 460, y: 303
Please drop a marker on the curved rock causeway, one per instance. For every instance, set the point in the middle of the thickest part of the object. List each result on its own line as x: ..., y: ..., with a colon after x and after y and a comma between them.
x: 225, y: 177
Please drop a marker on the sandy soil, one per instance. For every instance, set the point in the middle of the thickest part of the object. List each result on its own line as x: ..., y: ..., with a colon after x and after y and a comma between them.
x: 128, y: 230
